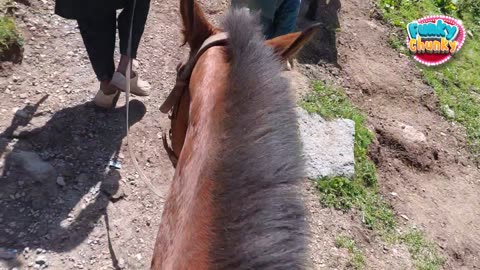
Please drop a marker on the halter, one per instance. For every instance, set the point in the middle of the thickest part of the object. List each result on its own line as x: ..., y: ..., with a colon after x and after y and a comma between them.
x: 184, y: 72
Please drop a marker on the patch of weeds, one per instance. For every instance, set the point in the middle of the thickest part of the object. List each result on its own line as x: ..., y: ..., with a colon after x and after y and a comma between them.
x: 357, y: 260
x: 361, y: 191
x: 340, y: 193
x: 455, y: 82
x: 424, y: 253
x: 9, y: 35
x: 332, y: 103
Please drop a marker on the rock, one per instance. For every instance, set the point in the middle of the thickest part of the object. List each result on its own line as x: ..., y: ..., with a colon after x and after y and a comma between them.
x: 118, y: 195
x: 41, y: 260
x: 405, y: 217
x: 449, y: 112
x: 413, y: 135
x: 61, y: 181
x: 121, y: 263
x: 327, y: 145
x: 21, y: 113
x: 411, y: 146
x: 32, y: 163
x: 110, y: 185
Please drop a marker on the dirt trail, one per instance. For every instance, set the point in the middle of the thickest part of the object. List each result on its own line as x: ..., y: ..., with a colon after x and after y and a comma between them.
x: 75, y: 226
x: 419, y: 155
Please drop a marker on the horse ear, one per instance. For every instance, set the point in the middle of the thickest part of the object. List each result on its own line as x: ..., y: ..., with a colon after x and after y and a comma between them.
x: 288, y: 45
x: 196, y: 26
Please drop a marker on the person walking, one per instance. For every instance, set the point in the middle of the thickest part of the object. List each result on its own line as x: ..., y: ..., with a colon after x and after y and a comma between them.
x: 97, y: 21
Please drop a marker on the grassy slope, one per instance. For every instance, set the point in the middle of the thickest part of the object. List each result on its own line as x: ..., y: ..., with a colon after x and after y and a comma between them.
x: 361, y: 191
x: 457, y: 83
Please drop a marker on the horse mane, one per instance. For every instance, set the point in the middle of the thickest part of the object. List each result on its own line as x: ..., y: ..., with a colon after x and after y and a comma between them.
x: 260, y: 222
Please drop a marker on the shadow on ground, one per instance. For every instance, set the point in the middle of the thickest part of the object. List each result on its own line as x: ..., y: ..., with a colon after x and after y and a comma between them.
x: 56, y: 181
x: 322, y: 48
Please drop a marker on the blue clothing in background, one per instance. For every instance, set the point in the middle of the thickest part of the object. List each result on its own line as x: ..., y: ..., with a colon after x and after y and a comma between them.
x: 278, y: 17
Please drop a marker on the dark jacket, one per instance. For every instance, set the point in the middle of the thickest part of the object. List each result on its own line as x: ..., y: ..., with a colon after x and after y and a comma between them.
x: 76, y: 9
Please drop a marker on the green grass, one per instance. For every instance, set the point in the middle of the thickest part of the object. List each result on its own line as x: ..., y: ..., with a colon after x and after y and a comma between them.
x: 456, y: 84
x: 357, y: 260
x: 424, y: 253
x: 9, y: 34
x: 361, y: 192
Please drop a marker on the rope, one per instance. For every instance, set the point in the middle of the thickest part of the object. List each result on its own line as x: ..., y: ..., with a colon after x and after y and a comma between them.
x: 127, y: 105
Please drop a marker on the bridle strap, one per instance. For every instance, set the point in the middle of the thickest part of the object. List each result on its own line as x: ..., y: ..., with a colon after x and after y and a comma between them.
x: 184, y: 71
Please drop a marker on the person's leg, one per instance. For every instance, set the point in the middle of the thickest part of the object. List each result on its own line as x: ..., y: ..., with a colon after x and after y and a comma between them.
x: 98, y: 34
x: 140, y: 18
x: 140, y: 13
x: 285, y: 20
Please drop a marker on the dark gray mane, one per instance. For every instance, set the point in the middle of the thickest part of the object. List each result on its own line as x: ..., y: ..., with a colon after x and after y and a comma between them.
x: 261, y: 222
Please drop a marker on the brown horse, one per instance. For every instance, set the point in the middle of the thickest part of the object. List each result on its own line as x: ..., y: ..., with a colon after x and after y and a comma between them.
x: 233, y: 203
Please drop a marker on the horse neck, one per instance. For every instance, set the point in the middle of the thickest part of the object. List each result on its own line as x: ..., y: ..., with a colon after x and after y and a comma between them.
x: 185, y: 236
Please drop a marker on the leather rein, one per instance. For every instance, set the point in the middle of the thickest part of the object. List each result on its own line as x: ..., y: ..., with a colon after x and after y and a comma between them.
x: 184, y: 72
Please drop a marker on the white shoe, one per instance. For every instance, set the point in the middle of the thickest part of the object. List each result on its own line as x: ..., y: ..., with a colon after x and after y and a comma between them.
x: 138, y: 87
x: 106, y: 101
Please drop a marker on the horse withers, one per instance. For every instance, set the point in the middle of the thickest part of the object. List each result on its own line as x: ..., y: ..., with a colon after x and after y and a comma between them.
x: 234, y: 201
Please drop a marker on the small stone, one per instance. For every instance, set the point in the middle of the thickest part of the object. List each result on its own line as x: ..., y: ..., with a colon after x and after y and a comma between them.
x: 121, y: 263
x: 21, y: 113
x: 412, y: 134
x: 61, y: 181
x: 405, y: 217
x: 138, y: 257
x: 449, y: 112
x: 34, y: 165
x: 41, y: 260
x: 394, y: 194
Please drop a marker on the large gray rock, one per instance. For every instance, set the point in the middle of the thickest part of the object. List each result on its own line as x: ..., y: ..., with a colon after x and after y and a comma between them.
x: 327, y: 145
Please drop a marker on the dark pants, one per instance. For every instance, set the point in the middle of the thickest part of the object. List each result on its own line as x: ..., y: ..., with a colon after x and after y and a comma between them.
x: 99, y: 31
x: 278, y: 17
x: 284, y: 21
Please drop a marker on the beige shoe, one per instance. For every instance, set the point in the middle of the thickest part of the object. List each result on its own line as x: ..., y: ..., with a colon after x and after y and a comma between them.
x: 138, y: 87
x: 106, y: 101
